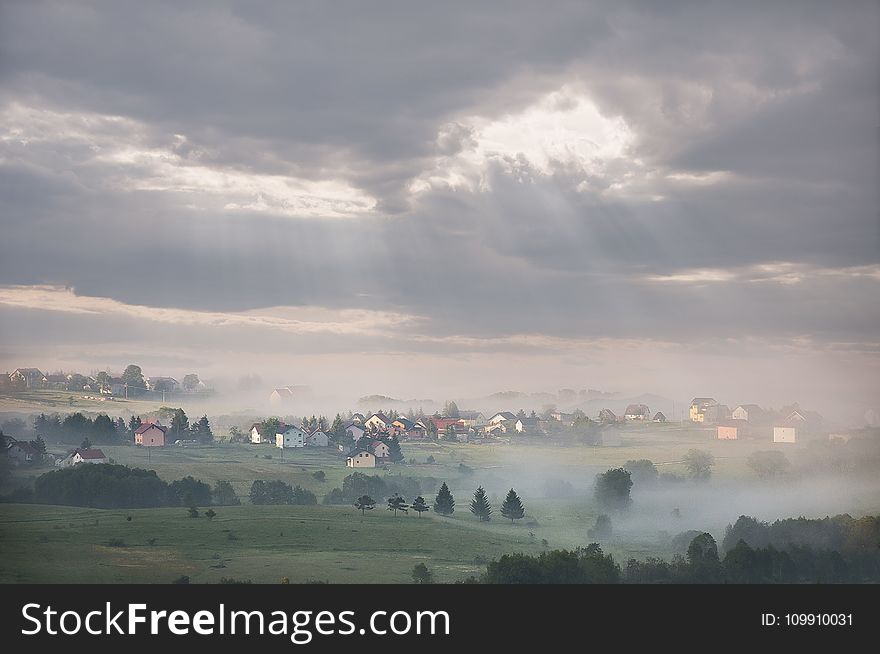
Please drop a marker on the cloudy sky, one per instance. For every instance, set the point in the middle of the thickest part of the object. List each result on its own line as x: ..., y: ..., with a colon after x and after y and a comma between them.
x: 446, y: 199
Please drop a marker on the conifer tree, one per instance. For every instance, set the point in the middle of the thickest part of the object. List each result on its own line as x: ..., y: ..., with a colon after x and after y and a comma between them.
x: 480, y: 505
x: 512, y: 508
x: 444, y: 503
x: 419, y: 505
x: 397, y: 503
x: 364, y: 503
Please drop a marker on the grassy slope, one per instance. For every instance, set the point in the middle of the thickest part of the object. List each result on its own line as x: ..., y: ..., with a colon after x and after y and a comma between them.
x: 335, y: 544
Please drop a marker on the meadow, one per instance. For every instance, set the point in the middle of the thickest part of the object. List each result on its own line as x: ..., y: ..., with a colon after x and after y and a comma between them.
x: 337, y: 544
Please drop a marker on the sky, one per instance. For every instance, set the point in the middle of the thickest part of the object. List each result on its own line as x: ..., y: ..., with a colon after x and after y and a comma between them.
x: 447, y: 199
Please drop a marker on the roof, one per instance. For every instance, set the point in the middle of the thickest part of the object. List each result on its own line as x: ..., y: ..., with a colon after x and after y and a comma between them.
x: 92, y: 453
x: 381, y: 416
x: 606, y: 412
x: 28, y: 371
x: 27, y: 448
x: 507, y: 415
x: 750, y: 407
x: 528, y: 421
x: 637, y: 410
x: 144, y: 427
x: 704, y: 400
x: 360, y: 451
x: 659, y: 416
x: 355, y: 425
x: 283, y: 391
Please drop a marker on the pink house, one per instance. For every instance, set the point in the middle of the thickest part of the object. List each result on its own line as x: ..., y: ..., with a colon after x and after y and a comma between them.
x: 150, y: 435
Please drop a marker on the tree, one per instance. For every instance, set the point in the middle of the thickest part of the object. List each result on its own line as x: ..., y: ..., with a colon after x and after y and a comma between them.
x: 397, y: 503
x: 699, y: 464
x: 642, y: 471
x: 512, y: 507
x: 394, y: 452
x: 520, y: 414
x: 444, y: 503
x: 480, y: 505
x: 337, y: 429
x: 449, y: 434
x: 179, y: 423
x: 76, y: 382
x: 450, y: 410
x: 190, y: 382
x: 612, y: 491
x: 104, y: 429
x: 103, y: 380
x: 419, y: 505
x: 133, y: 377
x: 768, y: 464
x: 210, y: 513
x: 39, y: 445
x: 702, y: 558
x: 224, y: 494
x: 193, y: 512
x: 203, y: 431
x: 601, y: 530
x: 421, y: 574
x: 235, y: 435
x: 86, y: 444
x: 133, y: 424
x: 268, y: 428
x: 364, y: 503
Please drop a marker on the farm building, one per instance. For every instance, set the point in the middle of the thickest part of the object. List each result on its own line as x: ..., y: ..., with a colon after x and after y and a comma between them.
x: 290, y: 436
x: 92, y: 455
x: 361, y: 459
x: 318, y: 438
x: 150, y: 435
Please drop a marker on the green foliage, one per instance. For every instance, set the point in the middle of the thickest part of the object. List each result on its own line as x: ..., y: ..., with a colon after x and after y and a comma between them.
x: 210, y: 513
x: 444, y: 503
x: 704, y: 566
x: 397, y: 503
x: 365, y: 503
x: 319, y: 475
x: 582, y: 566
x: 187, y: 491
x: 421, y: 574
x: 394, y: 452
x: 450, y: 410
x: 512, y: 507
x: 602, y: 529
x: 612, y: 490
x: 699, y: 464
x: 419, y: 505
x: 133, y: 376
x: 642, y: 471
x: 224, y: 494
x: 202, y: 431
x: 102, y: 486
x: 179, y: 424
x: 277, y: 492
x: 769, y: 464
x: 480, y: 506
x: 190, y: 382
x: 193, y: 512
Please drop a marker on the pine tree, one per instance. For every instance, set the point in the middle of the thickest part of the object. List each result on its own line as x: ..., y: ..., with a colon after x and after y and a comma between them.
x: 512, y: 508
x: 397, y: 503
x: 444, y: 503
x: 203, y: 430
x: 338, y: 429
x: 364, y: 503
x: 419, y: 505
x: 480, y: 505
x: 133, y: 424
x: 394, y: 452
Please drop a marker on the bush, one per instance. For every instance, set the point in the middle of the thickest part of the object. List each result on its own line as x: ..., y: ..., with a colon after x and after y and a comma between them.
x: 320, y: 475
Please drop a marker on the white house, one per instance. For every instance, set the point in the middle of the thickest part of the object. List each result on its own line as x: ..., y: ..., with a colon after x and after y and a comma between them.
x: 361, y: 459
x: 257, y: 437
x: 381, y: 450
x: 785, y: 434
x: 637, y: 412
x: 318, y: 438
x: 526, y: 425
x: 377, y: 421
x: 290, y: 437
x: 93, y: 455
x: 747, y: 412
x: 281, y: 395
x: 501, y: 416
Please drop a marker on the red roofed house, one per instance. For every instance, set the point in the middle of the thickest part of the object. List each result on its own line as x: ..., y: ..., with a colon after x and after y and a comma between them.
x: 150, y: 435
x: 20, y: 452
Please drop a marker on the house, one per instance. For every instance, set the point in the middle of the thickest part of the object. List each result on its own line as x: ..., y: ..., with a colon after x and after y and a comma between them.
x: 92, y: 455
x: 358, y: 418
x: 290, y: 436
x: 361, y: 459
x: 318, y: 438
x: 281, y: 395
x: 443, y: 423
x: 747, y: 412
x: 637, y: 412
x: 785, y: 434
x: 378, y: 421
x: 560, y: 416
x: 607, y: 415
x: 500, y: 417
x: 472, y: 418
x: 380, y: 450
x: 417, y: 431
x: 168, y: 384
x: 658, y: 417
x: 703, y: 410
x: 354, y: 431
x: 30, y: 377
x: 257, y: 434
x: 402, y: 424
x: 526, y: 425
x: 20, y: 453
x: 57, y: 382
x: 150, y: 435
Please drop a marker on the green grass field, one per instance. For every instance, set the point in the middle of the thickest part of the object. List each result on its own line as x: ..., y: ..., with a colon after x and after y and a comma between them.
x: 46, y: 544
x: 336, y: 544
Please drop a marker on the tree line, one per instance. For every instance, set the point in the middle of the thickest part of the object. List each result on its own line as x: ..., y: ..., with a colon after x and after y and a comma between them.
x: 104, y: 430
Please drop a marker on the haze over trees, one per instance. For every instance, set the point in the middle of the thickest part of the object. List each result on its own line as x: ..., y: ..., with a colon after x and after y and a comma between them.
x: 768, y: 464
x: 612, y: 490
x: 699, y: 464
